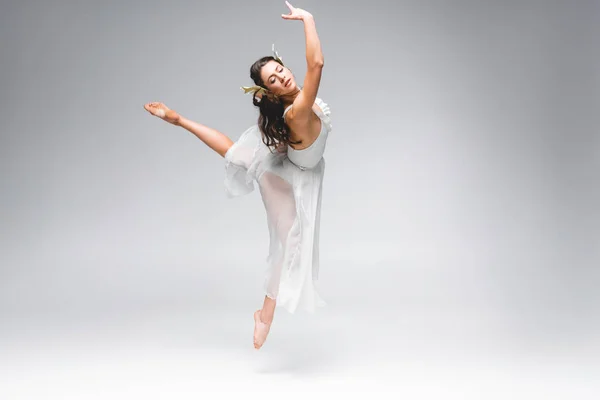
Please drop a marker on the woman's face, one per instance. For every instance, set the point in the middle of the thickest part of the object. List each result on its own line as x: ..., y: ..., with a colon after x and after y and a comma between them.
x: 277, y: 78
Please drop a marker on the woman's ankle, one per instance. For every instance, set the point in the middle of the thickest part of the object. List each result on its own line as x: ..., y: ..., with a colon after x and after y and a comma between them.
x: 266, y: 317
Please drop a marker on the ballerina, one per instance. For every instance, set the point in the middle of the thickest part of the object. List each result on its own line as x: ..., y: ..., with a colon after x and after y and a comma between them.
x: 283, y: 154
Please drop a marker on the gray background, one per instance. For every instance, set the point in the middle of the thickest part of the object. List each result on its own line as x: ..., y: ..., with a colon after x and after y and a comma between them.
x: 460, y: 236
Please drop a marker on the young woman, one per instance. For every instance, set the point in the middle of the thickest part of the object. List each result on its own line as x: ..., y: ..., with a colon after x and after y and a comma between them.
x: 283, y: 154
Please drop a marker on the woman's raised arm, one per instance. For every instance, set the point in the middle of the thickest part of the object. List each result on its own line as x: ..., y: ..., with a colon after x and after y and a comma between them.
x: 303, y: 103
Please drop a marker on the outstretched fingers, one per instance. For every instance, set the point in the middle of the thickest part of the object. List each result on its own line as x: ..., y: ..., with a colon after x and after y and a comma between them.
x: 292, y: 14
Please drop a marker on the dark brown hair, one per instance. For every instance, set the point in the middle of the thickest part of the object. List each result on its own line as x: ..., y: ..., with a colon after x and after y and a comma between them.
x: 270, y: 121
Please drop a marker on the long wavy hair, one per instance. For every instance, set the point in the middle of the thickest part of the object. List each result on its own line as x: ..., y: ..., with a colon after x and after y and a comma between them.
x: 270, y: 121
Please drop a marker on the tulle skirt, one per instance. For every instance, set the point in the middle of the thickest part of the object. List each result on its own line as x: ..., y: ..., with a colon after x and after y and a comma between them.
x: 292, y: 200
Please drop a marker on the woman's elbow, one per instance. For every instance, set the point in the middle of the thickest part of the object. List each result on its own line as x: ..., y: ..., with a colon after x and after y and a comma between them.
x: 318, y: 63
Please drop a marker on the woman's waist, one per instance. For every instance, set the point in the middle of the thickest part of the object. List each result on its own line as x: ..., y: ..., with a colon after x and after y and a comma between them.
x: 306, y: 159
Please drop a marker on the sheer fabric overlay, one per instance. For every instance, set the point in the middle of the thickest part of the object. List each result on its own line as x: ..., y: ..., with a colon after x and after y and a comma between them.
x: 291, y: 194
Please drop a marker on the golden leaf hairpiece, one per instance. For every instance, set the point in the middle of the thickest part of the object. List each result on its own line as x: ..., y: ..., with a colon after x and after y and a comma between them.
x: 253, y: 89
x: 260, y: 89
x: 275, y: 54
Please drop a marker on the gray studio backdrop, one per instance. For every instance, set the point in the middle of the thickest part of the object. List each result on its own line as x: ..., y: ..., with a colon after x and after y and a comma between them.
x: 462, y: 172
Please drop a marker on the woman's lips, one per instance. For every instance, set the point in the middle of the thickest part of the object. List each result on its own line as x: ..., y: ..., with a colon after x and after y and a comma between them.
x: 289, y: 81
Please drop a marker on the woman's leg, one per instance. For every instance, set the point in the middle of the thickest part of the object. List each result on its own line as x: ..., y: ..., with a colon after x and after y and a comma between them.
x: 285, y: 215
x: 278, y: 198
x: 214, y: 139
x: 268, y: 310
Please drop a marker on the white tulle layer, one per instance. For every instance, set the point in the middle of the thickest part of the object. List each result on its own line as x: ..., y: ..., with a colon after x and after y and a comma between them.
x: 292, y: 199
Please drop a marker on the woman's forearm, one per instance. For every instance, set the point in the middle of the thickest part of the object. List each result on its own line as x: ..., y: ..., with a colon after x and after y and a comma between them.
x: 211, y: 137
x: 314, y: 55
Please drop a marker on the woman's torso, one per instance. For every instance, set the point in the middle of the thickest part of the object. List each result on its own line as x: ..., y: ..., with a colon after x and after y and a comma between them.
x: 315, y: 125
x: 312, y: 149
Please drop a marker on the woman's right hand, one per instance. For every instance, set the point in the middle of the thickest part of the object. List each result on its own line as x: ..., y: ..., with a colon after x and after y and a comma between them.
x: 163, y: 112
x: 296, y: 13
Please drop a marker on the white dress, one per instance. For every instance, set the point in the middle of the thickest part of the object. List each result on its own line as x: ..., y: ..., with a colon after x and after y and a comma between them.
x: 290, y: 183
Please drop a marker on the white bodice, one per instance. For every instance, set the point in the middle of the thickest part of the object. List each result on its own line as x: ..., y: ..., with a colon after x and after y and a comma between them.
x: 310, y: 156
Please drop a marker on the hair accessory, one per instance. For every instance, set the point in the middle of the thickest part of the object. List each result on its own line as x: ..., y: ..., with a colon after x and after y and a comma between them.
x: 275, y: 54
x: 254, y: 89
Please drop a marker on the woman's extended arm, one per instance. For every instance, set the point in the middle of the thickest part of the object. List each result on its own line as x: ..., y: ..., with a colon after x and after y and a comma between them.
x: 314, y: 55
x: 303, y: 103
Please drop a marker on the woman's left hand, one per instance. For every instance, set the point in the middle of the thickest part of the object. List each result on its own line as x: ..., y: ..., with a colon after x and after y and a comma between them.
x: 296, y: 13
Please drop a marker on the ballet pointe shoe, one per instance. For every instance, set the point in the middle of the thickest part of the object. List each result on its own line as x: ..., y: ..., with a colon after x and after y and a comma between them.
x: 261, y: 330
